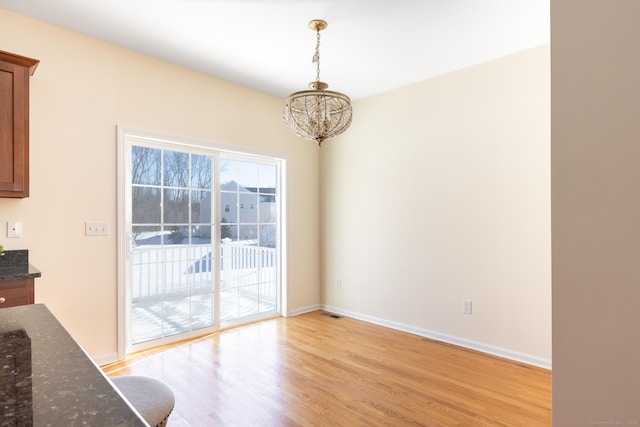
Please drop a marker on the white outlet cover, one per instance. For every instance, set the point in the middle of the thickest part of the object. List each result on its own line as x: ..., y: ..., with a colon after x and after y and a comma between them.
x: 466, y: 306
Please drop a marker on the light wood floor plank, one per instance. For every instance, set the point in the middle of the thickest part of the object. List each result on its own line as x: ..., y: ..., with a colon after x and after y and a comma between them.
x: 315, y: 370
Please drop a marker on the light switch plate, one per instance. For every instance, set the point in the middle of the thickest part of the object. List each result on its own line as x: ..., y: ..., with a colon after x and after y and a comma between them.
x: 96, y: 229
x: 14, y: 229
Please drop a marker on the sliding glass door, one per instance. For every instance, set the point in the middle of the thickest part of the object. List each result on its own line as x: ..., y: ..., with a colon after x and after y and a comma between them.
x: 200, y: 231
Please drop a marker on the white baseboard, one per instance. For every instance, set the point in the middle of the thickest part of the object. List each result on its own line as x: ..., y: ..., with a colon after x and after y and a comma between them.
x: 105, y: 359
x: 450, y: 339
x: 303, y: 310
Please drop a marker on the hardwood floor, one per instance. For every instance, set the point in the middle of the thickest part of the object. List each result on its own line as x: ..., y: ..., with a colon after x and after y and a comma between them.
x: 315, y: 370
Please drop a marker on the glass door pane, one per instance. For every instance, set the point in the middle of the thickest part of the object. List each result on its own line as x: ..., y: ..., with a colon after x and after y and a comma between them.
x: 248, y: 239
x: 172, y: 284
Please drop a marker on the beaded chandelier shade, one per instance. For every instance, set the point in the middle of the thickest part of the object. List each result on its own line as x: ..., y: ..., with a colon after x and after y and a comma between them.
x: 317, y: 114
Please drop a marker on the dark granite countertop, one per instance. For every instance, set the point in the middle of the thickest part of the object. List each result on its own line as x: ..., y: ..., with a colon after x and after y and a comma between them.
x: 15, y: 265
x: 52, y: 381
x: 19, y: 272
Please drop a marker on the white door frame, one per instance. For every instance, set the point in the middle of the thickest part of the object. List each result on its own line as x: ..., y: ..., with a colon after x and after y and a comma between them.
x: 125, y: 134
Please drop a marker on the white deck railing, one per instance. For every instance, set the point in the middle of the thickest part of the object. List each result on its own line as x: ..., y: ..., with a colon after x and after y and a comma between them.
x: 177, y: 270
x: 183, y: 275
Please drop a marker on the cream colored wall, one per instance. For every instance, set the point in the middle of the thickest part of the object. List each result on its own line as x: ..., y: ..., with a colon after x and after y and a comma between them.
x: 596, y: 211
x: 80, y: 91
x: 439, y: 192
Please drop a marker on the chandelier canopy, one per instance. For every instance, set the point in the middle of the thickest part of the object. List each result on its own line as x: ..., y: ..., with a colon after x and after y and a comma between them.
x: 317, y: 114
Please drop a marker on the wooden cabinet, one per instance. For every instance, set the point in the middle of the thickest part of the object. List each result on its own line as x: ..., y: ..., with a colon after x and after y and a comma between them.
x: 14, y: 123
x: 16, y: 292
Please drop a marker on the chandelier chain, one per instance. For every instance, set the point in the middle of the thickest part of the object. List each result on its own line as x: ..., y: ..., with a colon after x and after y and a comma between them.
x: 316, y: 56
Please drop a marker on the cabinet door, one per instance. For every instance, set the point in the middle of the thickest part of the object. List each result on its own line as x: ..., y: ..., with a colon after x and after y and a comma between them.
x: 14, y: 124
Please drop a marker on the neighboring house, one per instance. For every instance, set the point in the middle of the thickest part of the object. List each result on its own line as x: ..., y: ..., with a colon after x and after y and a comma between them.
x: 248, y: 212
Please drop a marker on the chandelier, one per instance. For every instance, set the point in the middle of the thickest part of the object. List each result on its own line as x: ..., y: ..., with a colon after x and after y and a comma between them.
x: 317, y: 114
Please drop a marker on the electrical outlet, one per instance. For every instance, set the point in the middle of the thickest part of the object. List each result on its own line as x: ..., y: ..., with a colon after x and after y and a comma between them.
x: 338, y: 284
x: 466, y: 306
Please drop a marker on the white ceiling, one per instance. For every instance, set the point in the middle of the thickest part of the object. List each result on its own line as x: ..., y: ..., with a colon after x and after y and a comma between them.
x: 369, y: 47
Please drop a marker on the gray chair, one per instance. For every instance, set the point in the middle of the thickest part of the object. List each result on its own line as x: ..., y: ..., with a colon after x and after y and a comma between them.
x: 152, y: 398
